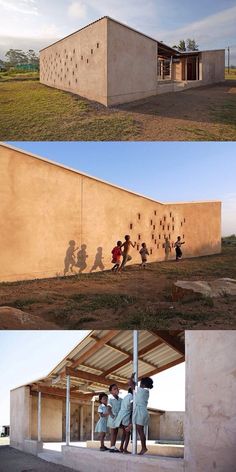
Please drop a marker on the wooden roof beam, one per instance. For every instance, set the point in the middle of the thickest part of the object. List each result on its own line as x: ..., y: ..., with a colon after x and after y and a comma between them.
x: 98, y: 344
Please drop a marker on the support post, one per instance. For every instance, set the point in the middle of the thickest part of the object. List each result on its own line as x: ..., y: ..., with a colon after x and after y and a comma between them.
x: 197, y: 68
x: 81, y: 427
x: 186, y: 68
x: 135, y: 370
x: 39, y: 415
x: 171, y: 67
x: 92, y: 425
x: 67, y: 410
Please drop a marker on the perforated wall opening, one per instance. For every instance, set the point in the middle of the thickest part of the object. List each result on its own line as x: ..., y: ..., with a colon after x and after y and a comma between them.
x: 131, y: 226
x: 151, y: 251
x: 155, y: 212
x: 154, y: 227
x: 139, y: 237
x: 97, y: 45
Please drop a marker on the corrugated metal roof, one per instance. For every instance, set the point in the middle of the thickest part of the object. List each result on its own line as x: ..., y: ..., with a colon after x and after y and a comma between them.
x: 105, y: 356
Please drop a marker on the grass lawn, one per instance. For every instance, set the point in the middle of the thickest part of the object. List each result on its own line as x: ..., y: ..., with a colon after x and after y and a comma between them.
x: 134, y: 298
x: 31, y: 111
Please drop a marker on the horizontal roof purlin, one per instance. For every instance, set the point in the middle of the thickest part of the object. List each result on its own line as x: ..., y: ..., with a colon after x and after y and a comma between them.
x: 83, y: 174
x: 105, y: 356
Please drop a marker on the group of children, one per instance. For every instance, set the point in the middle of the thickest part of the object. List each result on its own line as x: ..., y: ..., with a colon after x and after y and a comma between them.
x: 115, y: 412
x: 122, y: 250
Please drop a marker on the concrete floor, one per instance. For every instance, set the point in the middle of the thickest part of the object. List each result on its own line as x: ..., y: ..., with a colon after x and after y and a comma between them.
x: 12, y: 460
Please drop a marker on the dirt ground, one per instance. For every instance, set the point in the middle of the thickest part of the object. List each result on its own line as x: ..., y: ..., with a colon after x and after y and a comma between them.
x: 12, y: 460
x: 134, y: 298
x: 31, y: 111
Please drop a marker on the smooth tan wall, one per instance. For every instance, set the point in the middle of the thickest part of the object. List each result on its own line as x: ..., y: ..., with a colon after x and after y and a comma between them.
x: 212, y: 66
x: 132, y: 65
x: 20, y: 411
x: 51, y: 419
x: 44, y: 206
x: 210, y: 418
x: 62, y: 66
x: 172, y: 425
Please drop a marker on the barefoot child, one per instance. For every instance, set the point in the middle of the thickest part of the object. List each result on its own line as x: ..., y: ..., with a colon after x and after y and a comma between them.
x: 140, y: 414
x: 126, y: 256
x: 144, y: 253
x: 114, y: 403
x: 124, y: 419
x: 178, y: 251
x: 116, y: 256
x: 101, y: 426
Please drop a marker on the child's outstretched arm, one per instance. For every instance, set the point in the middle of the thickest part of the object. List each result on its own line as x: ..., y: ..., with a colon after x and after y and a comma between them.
x: 109, y: 413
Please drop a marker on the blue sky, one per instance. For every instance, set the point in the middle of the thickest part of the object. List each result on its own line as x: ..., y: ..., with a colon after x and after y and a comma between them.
x: 36, y: 23
x: 18, y: 366
x: 163, y: 171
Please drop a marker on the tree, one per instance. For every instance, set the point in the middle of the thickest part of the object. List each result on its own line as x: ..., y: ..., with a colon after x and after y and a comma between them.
x: 32, y: 57
x: 15, y: 57
x: 181, y: 46
x: 192, y: 45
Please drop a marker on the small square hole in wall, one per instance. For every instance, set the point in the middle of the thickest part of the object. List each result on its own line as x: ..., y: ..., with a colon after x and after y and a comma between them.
x: 139, y: 237
x: 151, y: 251
x: 73, y: 51
x: 82, y: 58
x: 76, y: 80
x: 151, y: 222
x: 87, y: 61
x: 73, y: 73
x: 155, y: 212
x: 152, y: 236
x: 181, y: 224
x: 159, y: 236
x: 168, y: 227
x: 164, y: 218
x: 139, y: 216
x: 163, y: 227
x: 154, y: 226
x: 184, y: 220
x: 158, y: 245
x: 67, y: 56
x: 173, y: 228
x: 183, y: 236
x: 169, y: 236
x: 160, y: 222
x: 67, y: 69
x: 91, y: 51
x: 64, y: 63
x: 76, y: 66
x: 131, y: 226
x: 163, y: 245
x: 97, y: 45
x: 71, y: 59
x: 155, y: 241
x: 69, y: 82
x: 173, y: 219
x: 170, y: 214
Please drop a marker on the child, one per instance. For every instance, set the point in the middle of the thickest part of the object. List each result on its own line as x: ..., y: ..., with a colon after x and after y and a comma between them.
x: 167, y: 247
x: 101, y: 426
x: 115, y: 404
x: 124, y: 419
x: 116, y: 256
x: 126, y: 256
x: 178, y: 251
x: 140, y: 414
x: 144, y: 253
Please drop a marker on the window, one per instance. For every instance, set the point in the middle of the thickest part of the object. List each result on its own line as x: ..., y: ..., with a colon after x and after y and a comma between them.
x: 160, y: 222
x: 155, y: 212
x: 139, y: 216
x: 91, y: 51
x: 173, y: 228
x: 151, y: 251
x: 154, y: 227
x: 151, y: 222
x: 181, y: 224
x: 164, y: 218
x: 87, y: 61
x: 152, y: 236
x: 139, y: 237
x: 173, y: 219
x: 131, y: 226
x: 159, y: 236
x: 97, y: 45
x: 155, y: 241
x: 170, y: 214
x: 168, y: 227
x: 163, y: 227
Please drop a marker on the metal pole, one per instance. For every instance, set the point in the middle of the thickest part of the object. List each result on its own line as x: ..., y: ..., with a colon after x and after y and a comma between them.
x: 228, y: 59
x: 67, y: 410
x: 81, y: 423
x: 39, y: 415
x: 92, y: 431
x: 135, y: 370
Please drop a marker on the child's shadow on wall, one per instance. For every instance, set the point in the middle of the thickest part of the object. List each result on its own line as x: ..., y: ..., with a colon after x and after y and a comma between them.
x: 69, y: 261
x: 98, y: 264
x: 81, y: 258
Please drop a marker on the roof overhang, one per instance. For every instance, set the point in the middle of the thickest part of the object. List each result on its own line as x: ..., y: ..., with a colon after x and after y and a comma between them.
x: 106, y: 356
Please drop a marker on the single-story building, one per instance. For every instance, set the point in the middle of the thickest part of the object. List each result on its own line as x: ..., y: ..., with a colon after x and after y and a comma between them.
x: 111, y: 63
x: 61, y: 406
x: 59, y: 221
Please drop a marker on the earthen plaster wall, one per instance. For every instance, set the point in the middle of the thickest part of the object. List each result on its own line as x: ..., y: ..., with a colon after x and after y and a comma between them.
x: 44, y: 207
x: 78, y: 63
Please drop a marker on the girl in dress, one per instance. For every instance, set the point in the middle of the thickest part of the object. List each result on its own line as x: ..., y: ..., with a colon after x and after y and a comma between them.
x: 178, y: 250
x: 140, y: 414
x: 101, y: 426
x: 114, y: 404
x: 124, y: 419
